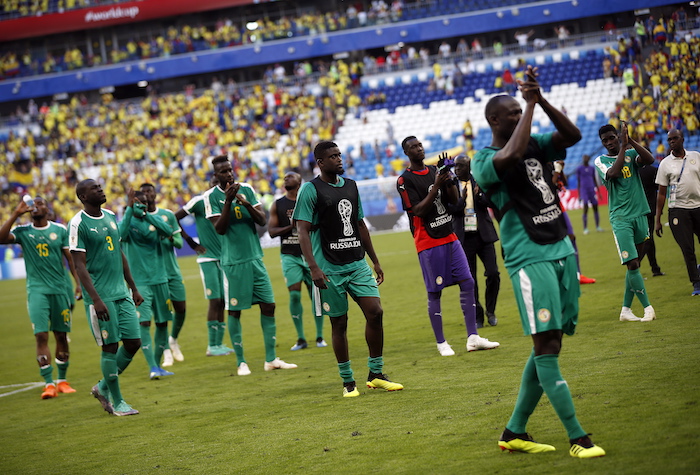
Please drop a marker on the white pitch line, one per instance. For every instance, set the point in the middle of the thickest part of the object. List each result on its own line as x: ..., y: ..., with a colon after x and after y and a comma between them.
x: 27, y: 387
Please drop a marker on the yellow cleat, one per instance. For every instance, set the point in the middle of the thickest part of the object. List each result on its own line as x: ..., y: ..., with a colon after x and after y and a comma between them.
x: 381, y: 381
x: 513, y: 442
x: 583, y: 448
x: 350, y: 390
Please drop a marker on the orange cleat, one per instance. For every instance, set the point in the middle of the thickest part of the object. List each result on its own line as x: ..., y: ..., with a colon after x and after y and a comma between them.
x: 585, y: 280
x: 64, y: 387
x: 49, y: 391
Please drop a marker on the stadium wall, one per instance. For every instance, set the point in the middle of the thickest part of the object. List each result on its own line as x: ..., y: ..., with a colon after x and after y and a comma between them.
x: 315, y: 46
x: 109, y: 15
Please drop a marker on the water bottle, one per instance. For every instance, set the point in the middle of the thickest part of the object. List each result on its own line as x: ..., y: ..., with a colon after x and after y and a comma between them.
x: 29, y: 200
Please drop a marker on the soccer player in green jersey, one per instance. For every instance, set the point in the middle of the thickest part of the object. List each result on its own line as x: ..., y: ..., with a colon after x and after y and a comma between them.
x: 208, y: 251
x: 294, y: 266
x: 176, y: 284
x: 334, y: 239
x: 628, y: 207
x: 45, y: 246
x: 234, y: 210
x: 514, y: 171
x: 104, y: 274
x: 141, y: 236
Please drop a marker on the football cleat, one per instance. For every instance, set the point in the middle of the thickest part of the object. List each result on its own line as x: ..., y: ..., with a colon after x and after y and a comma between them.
x: 103, y: 398
x: 165, y: 372
x: 278, y: 364
x: 350, y: 390
x: 123, y: 409
x: 475, y: 343
x: 445, y: 349
x: 649, y: 314
x: 154, y: 373
x: 583, y: 448
x: 381, y: 381
x: 243, y: 369
x: 175, y: 348
x: 301, y: 344
x: 524, y: 443
x: 585, y: 280
x: 321, y: 343
x: 626, y: 315
x: 49, y: 391
x: 64, y: 387
x: 167, y: 358
x: 696, y: 289
x: 218, y: 350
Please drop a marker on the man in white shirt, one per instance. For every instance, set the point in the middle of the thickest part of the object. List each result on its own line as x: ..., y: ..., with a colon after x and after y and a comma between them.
x: 679, y: 175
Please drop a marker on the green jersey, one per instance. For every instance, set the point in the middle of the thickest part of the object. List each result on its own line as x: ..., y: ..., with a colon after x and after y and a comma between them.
x: 98, y: 238
x: 519, y: 249
x: 141, y: 239
x: 43, y: 256
x: 626, y: 198
x: 306, y: 210
x: 208, y: 236
x: 169, y: 256
x: 240, y: 243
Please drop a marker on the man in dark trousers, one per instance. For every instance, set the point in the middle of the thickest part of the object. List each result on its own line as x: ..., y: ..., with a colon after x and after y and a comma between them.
x: 473, y: 226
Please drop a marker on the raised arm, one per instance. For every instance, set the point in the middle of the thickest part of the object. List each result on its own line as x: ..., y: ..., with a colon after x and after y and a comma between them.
x: 615, y: 171
x: 5, y: 236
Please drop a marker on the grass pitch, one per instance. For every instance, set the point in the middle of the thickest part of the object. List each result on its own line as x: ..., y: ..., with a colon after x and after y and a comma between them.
x: 634, y: 385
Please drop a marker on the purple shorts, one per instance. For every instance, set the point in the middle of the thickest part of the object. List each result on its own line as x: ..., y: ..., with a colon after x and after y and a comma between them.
x: 588, y: 196
x: 443, y: 266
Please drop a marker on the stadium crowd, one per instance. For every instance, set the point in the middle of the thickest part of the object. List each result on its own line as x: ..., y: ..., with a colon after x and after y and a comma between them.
x: 166, y: 139
x: 186, y: 38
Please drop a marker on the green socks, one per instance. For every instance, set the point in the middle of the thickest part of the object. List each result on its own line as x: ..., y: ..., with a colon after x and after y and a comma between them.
x: 123, y: 359
x: 161, y: 343
x: 528, y: 396
x: 220, y: 334
x: 296, y: 310
x: 269, y: 329
x: 108, y: 364
x: 147, y: 346
x: 346, y: 372
x: 635, y: 286
x: 178, y: 321
x: 558, y: 393
x: 376, y: 364
x: 212, y: 332
x: 234, y: 331
x: 47, y: 373
x: 62, y: 369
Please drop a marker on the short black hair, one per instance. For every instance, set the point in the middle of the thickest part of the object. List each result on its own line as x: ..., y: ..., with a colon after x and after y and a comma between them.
x: 492, y: 105
x: 218, y: 159
x: 405, y: 141
x: 605, y: 129
x: 147, y: 185
x: 322, y: 147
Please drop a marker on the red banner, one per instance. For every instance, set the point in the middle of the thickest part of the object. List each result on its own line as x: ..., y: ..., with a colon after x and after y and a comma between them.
x: 99, y: 17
